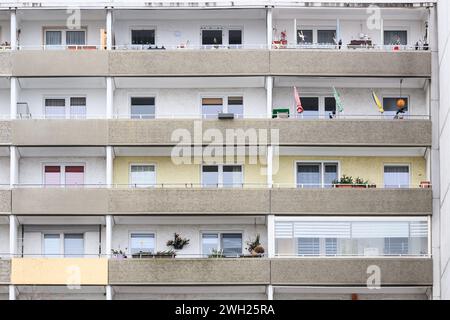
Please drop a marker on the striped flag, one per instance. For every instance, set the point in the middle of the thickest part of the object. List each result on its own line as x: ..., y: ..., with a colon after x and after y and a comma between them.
x: 298, y: 102
x: 377, y: 102
x: 337, y: 97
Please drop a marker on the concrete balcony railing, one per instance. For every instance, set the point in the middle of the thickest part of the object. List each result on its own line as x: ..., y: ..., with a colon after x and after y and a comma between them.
x: 189, y: 271
x: 158, y: 132
x: 225, y: 62
x: 5, y: 200
x: 210, y: 201
x: 5, y: 271
x: 307, y: 271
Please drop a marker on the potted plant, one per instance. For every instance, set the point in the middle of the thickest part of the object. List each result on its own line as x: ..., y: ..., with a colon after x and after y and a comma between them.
x: 118, y: 254
x: 255, y: 248
x: 165, y: 254
x: 177, y: 243
x: 142, y: 255
x: 344, y: 182
x: 216, y: 254
x: 361, y: 184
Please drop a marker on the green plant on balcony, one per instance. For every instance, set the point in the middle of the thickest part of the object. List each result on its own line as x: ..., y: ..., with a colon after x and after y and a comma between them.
x: 216, y: 254
x: 118, y: 254
x: 177, y: 243
x: 165, y: 254
x: 361, y: 183
x: 344, y: 182
x: 254, y: 247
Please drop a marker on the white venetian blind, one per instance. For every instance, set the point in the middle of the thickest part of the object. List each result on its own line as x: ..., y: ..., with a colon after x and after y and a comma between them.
x: 322, y: 229
x: 418, y: 229
x: 284, y: 230
x: 380, y: 230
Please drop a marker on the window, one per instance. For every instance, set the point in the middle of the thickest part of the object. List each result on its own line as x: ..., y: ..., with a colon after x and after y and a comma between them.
x: 351, y: 236
x: 211, y: 107
x: 236, y: 106
x: 391, y: 109
x: 395, y: 37
x: 142, y: 108
x: 143, y: 176
x: 70, y: 175
x: 227, y: 176
x: 330, y: 107
x: 142, y: 243
x: 78, y: 107
x: 65, y: 37
x: 304, y: 36
x: 56, y: 108
x: 52, y: 245
x: 212, y: 37
x: 73, y: 245
x: 316, y: 175
x: 308, y: 246
x: 235, y: 37
x: 143, y: 37
x: 229, y: 243
x: 396, y: 246
x: 326, y: 36
x: 310, y: 107
x: 396, y: 176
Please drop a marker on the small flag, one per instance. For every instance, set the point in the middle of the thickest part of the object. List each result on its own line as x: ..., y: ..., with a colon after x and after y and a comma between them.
x: 337, y: 97
x: 377, y: 102
x: 298, y: 102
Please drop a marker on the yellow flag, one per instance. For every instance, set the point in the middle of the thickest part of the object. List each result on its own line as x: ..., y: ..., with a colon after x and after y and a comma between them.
x: 377, y: 102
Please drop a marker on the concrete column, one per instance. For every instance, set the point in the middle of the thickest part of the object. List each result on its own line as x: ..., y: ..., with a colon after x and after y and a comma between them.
x: 109, y: 166
x: 13, y: 166
x: 271, y: 236
x: 12, y: 292
x: 109, y: 29
x: 269, y: 166
x: 269, y: 292
x: 13, y: 235
x: 269, y: 26
x: 338, y: 29
x: 14, y: 93
x: 109, y: 230
x: 109, y: 97
x: 269, y: 96
x: 109, y: 293
x: 382, y: 31
x: 13, y: 29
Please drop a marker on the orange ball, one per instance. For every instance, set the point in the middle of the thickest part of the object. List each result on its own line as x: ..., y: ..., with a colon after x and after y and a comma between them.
x: 401, y: 103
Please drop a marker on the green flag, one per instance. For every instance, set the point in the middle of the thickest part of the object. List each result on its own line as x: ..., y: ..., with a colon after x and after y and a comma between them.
x: 337, y: 97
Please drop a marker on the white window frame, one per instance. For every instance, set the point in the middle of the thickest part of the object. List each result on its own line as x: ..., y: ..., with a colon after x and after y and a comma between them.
x: 390, y: 164
x: 224, y: 98
x: 220, y: 233
x: 315, y: 31
x: 142, y: 27
x: 231, y: 28
x: 130, y: 232
x: 322, y: 114
x: 63, y: 172
x: 220, y: 173
x: 63, y: 31
x: 407, y: 96
x: 322, y: 168
x: 131, y: 95
x: 397, y: 28
x: 141, y: 164
x: 67, y: 98
x: 61, y: 243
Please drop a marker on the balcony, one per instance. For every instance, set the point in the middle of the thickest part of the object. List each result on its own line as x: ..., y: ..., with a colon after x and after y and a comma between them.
x: 59, y: 271
x: 351, y: 272
x: 5, y: 271
x: 158, y: 132
x: 189, y: 271
x: 5, y: 200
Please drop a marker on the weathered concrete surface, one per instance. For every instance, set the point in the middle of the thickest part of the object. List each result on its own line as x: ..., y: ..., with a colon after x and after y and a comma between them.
x: 189, y: 201
x: 350, y: 63
x: 352, y: 201
x: 5, y: 201
x: 5, y: 271
x: 5, y: 132
x: 59, y: 201
x: 5, y: 63
x: 52, y: 132
x: 189, y: 271
x: 330, y: 271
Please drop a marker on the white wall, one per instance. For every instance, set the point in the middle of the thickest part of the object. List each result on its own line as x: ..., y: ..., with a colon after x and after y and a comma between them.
x: 31, y: 169
x: 4, y: 171
x: 171, y: 33
x: 5, y: 31
x: 5, y: 99
x: 4, y: 240
x: 356, y: 101
x: 179, y: 102
x: 163, y: 233
x: 95, y: 100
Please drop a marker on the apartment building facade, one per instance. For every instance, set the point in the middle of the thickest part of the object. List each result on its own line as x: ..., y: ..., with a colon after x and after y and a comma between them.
x: 125, y: 126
